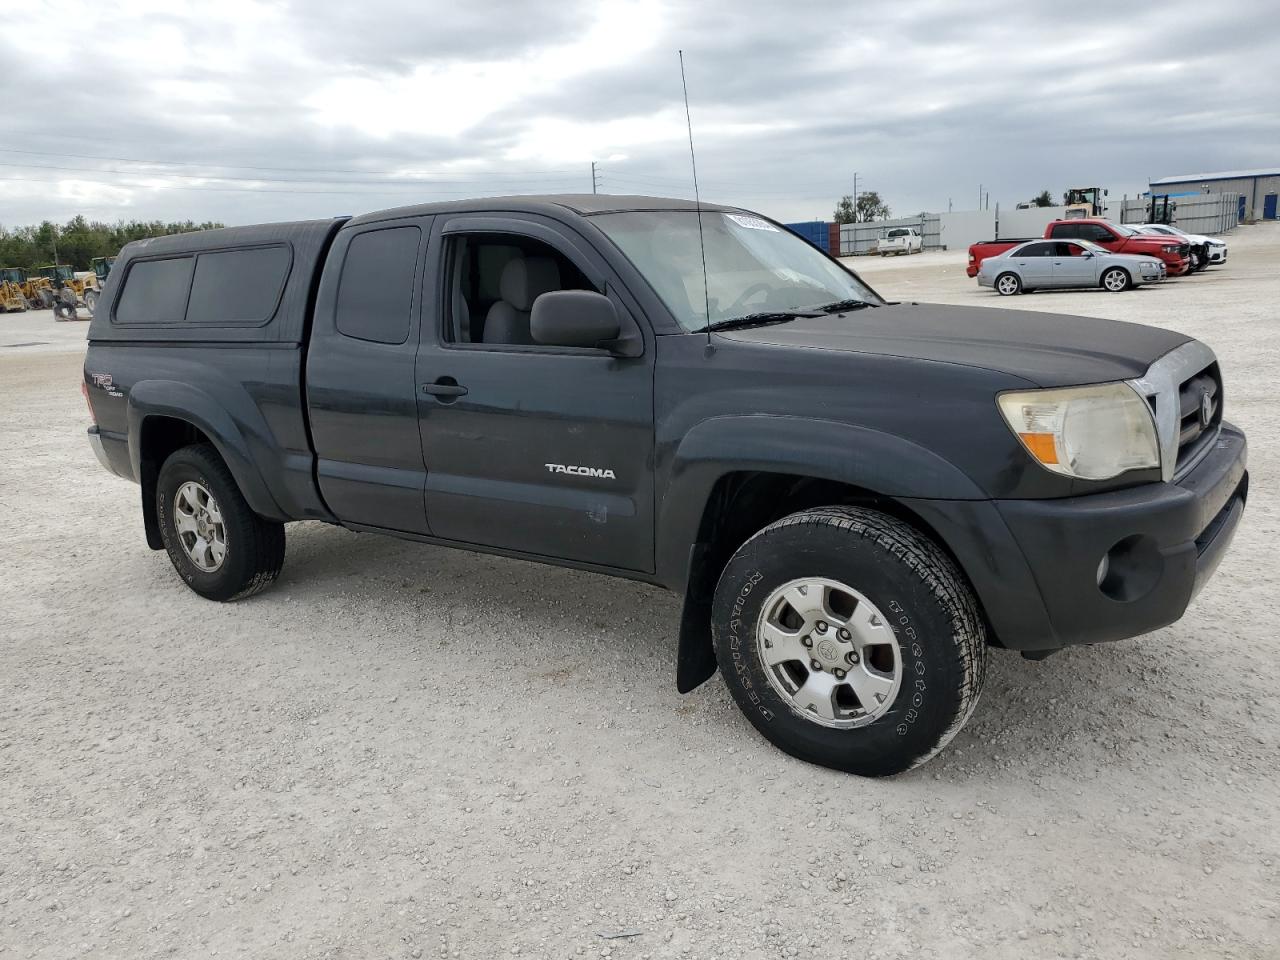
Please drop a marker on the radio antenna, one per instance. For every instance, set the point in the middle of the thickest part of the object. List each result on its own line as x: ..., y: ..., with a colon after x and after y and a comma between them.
x: 697, y: 199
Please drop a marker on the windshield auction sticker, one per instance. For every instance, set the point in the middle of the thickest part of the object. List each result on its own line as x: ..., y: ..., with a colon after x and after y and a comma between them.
x: 752, y: 223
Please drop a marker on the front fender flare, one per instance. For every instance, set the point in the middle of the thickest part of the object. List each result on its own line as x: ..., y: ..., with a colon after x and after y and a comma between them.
x: 878, y: 462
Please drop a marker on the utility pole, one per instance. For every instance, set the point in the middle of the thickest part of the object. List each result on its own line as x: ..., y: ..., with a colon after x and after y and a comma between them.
x: 595, y: 178
x: 855, y: 196
x: 979, y: 196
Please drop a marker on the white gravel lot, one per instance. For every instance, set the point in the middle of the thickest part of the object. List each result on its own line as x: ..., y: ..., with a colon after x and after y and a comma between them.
x: 405, y: 751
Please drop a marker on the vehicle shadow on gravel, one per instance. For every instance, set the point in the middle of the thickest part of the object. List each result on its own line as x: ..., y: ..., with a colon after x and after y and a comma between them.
x: 1035, y: 716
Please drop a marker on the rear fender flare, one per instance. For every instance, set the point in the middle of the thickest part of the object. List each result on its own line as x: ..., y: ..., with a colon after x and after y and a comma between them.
x: 183, y: 401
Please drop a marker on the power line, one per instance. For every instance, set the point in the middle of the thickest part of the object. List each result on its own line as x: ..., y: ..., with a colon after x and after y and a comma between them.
x: 202, y: 187
x: 232, y: 166
x: 385, y: 181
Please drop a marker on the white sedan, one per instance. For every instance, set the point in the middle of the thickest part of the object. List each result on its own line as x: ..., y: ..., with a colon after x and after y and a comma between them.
x: 1215, y: 248
x: 1060, y: 264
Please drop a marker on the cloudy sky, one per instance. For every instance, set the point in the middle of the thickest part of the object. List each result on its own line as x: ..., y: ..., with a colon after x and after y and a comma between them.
x: 241, y: 111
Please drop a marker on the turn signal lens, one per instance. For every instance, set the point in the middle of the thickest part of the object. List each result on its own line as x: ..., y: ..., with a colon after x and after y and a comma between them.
x: 1092, y: 433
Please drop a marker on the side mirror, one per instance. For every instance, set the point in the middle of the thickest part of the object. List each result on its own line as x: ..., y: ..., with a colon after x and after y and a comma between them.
x: 576, y: 318
x: 1088, y: 254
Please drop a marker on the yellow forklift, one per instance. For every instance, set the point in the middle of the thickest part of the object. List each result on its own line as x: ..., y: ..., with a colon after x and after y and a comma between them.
x: 62, y: 276
x: 12, y: 298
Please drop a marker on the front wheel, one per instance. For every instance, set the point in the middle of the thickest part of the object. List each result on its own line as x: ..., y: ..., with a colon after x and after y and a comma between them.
x: 1116, y: 279
x: 218, y: 545
x: 849, y: 640
x: 91, y: 301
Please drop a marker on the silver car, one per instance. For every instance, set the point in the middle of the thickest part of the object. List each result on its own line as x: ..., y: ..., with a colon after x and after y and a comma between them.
x: 1054, y: 264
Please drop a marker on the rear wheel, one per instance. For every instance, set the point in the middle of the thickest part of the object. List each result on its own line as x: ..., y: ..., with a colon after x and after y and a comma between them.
x: 849, y: 640
x: 1008, y: 284
x: 218, y: 545
x: 91, y: 301
x: 1116, y: 279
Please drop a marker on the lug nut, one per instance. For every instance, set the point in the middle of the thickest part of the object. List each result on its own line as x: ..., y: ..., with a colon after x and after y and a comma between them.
x: 822, y: 626
x: 839, y: 673
x: 852, y: 656
x: 807, y: 640
x: 844, y: 634
x: 816, y: 665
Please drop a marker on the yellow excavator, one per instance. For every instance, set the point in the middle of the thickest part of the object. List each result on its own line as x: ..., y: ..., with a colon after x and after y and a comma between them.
x: 12, y: 298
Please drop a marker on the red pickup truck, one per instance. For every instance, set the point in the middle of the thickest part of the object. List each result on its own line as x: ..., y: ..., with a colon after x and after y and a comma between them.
x: 1113, y: 236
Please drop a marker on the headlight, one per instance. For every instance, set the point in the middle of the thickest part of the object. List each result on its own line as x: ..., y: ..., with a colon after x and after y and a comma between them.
x: 1092, y: 433
x: 1172, y: 248
x: 1151, y: 265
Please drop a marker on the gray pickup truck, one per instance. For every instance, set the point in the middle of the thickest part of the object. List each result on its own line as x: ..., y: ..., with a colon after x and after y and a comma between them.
x: 856, y: 498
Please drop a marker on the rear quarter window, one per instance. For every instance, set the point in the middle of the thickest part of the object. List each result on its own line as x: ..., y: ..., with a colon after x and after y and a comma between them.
x: 238, y: 286
x: 375, y: 289
x: 155, y: 291
x: 220, y: 288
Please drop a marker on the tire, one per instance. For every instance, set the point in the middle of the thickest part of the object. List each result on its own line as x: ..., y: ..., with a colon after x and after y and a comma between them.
x: 252, y: 548
x: 47, y: 298
x: 927, y: 635
x: 1200, y: 260
x: 91, y: 301
x: 1116, y: 279
x: 1006, y: 288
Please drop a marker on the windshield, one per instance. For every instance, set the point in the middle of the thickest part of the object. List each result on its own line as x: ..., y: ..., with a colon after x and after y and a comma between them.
x: 1123, y: 230
x: 1090, y: 245
x: 752, y: 265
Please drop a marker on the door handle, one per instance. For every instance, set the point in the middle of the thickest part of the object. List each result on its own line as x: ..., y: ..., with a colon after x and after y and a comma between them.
x: 445, y: 389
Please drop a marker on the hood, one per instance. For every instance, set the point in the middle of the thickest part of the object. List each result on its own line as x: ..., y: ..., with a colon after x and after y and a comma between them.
x: 1047, y: 349
x: 1153, y: 240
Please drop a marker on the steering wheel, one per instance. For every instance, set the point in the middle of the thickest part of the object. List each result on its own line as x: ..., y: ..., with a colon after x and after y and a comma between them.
x: 746, y: 295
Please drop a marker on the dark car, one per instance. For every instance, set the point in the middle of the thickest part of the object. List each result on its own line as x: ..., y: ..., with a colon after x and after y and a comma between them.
x: 856, y: 498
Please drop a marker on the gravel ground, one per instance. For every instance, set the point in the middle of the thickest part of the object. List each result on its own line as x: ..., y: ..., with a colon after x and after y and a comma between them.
x: 405, y: 751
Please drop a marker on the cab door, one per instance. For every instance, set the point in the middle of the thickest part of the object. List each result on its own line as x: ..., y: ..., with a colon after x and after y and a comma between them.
x: 361, y: 385
x: 535, y: 449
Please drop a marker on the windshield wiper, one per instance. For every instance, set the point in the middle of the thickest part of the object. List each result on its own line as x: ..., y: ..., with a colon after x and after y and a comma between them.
x: 842, y: 306
x: 758, y: 319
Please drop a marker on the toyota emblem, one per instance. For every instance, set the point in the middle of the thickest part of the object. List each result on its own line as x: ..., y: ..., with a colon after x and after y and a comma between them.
x: 1206, y: 408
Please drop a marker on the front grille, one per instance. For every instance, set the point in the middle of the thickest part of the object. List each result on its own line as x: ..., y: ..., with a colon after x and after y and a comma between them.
x: 1184, y: 249
x: 1199, y: 414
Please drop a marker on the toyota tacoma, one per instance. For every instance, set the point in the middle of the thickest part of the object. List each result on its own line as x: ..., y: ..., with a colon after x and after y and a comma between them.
x: 857, y: 498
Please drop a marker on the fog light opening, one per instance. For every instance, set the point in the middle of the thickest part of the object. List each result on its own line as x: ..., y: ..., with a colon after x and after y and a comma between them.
x: 1130, y: 569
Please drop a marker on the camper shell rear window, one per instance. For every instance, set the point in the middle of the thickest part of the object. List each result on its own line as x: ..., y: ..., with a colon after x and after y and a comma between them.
x: 239, y: 287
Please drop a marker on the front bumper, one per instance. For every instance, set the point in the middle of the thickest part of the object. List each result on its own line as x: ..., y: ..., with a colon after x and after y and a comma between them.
x: 1217, y: 254
x: 1177, y: 266
x: 1161, y: 272
x: 1038, y: 565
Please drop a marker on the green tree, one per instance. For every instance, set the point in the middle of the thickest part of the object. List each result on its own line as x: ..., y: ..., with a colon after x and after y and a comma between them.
x: 1042, y: 199
x: 870, y: 207
x: 79, y: 240
x: 844, y: 210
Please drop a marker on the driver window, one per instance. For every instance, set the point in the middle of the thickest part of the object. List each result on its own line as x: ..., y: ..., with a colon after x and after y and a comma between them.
x: 494, y: 280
